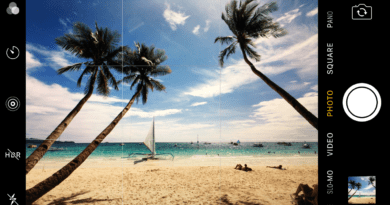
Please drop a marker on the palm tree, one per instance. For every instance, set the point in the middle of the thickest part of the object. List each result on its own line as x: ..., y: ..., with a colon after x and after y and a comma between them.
x: 357, y: 186
x: 247, y: 23
x: 101, y: 48
x: 352, y: 184
x: 372, y: 180
x: 142, y: 66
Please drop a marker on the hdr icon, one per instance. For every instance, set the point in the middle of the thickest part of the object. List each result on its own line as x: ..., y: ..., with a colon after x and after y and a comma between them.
x: 10, y: 154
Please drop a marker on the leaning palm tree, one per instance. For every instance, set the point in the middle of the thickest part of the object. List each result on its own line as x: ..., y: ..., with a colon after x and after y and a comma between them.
x: 247, y: 22
x: 352, y: 184
x: 101, y: 48
x: 372, y: 179
x: 143, y: 64
x: 358, y: 186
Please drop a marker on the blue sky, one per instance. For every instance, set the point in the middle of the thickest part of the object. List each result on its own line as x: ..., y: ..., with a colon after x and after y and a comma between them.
x: 218, y: 104
x: 366, y: 188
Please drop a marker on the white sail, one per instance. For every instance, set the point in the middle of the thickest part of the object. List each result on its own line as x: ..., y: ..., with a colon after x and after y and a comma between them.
x: 150, y: 140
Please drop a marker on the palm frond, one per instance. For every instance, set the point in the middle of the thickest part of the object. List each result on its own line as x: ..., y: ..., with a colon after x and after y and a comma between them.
x: 160, y: 71
x: 226, y: 39
x: 144, y: 93
x: 148, y: 84
x: 250, y: 8
x: 128, y: 79
x: 91, y: 81
x: 136, y: 80
x: 226, y: 52
x: 157, y: 85
x: 87, y: 69
x: 252, y: 53
x: 242, y: 7
x: 110, y: 77
x: 140, y: 87
x: 102, y: 82
x: 268, y: 8
x: 74, y: 67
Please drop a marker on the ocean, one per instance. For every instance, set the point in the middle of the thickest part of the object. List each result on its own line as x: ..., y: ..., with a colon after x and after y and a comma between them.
x: 185, y: 153
x: 357, y: 196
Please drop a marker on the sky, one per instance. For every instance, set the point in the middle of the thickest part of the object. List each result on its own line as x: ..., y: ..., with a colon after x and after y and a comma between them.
x: 201, y: 99
x: 366, y: 188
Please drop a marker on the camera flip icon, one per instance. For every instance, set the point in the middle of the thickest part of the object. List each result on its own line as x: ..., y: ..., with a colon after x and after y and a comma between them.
x: 361, y: 12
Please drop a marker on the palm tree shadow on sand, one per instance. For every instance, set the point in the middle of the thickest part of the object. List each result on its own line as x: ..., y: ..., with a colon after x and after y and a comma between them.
x: 226, y: 201
x: 66, y: 200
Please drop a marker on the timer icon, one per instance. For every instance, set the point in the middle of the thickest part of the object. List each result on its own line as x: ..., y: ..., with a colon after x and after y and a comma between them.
x: 12, y: 53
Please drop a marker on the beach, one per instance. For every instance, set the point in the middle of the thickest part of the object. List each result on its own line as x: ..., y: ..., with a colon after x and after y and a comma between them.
x: 362, y: 200
x: 164, y: 183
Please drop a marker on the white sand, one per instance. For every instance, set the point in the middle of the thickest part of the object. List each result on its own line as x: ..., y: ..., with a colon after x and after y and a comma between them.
x: 362, y: 200
x: 154, y: 183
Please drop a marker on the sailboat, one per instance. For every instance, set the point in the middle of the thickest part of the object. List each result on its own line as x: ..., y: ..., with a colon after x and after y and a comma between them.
x: 150, y: 143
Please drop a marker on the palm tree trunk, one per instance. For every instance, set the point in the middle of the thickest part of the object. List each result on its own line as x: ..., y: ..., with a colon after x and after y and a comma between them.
x: 38, y: 153
x: 48, y: 184
x: 313, y: 120
x: 352, y: 195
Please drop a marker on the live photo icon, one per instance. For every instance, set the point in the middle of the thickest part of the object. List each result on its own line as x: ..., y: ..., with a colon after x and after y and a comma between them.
x: 361, y: 12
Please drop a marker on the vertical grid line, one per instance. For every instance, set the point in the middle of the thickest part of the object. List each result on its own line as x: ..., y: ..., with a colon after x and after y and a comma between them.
x: 220, y: 127
x: 122, y: 105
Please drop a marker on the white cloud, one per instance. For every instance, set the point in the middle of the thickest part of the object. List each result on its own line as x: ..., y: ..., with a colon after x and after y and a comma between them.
x: 196, y: 30
x: 55, y: 59
x: 207, y: 26
x: 276, y: 119
x: 297, y: 51
x: 174, y: 18
x: 198, y: 103
x: 63, y: 22
x: 232, y: 78
x: 312, y: 12
x: 31, y: 62
x: 48, y: 105
x: 289, y: 16
x: 136, y: 27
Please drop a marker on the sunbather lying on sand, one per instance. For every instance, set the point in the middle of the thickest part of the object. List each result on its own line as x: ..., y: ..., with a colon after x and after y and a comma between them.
x: 277, y: 167
x: 310, y: 195
x: 238, y: 166
x: 246, y: 168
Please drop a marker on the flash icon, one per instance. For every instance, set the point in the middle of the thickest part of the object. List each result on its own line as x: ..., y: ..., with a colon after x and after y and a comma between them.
x: 13, y: 199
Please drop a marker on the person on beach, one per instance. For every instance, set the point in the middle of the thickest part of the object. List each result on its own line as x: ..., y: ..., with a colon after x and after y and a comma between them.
x: 277, y: 167
x: 238, y: 166
x: 310, y: 195
x: 246, y: 168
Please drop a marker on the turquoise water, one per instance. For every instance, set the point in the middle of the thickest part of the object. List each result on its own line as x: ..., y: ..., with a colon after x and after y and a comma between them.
x: 357, y: 196
x: 181, y: 151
